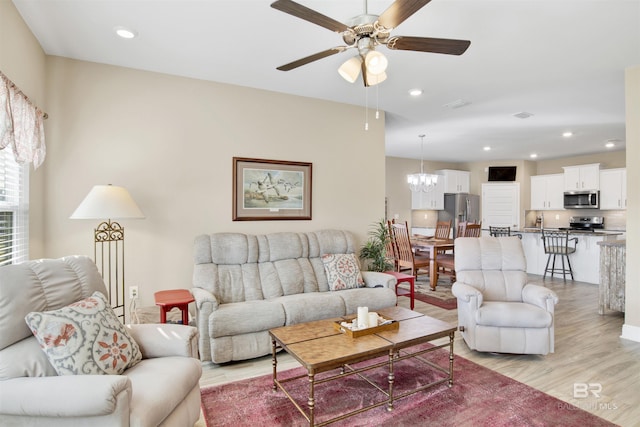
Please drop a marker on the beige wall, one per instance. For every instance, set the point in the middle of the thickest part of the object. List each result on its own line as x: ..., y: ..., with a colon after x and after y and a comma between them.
x: 23, y: 62
x: 607, y: 160
x: 631, y: 328
x: 170, y: 142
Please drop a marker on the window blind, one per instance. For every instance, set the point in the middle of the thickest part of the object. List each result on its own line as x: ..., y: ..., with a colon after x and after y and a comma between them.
x: 14, y: 209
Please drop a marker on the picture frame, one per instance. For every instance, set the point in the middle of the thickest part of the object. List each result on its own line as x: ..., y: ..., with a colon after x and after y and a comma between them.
x: 267, y: 190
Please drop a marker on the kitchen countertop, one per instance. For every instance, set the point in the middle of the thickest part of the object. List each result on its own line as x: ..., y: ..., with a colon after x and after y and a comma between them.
x: 620, y: 243
x: 604, y: 232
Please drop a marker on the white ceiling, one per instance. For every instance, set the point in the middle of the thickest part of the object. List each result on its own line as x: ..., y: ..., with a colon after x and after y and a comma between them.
x: 561, y: 60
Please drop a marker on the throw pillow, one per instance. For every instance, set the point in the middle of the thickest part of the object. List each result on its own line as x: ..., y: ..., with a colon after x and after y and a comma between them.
x: 343, y: 271
x: 85, y: 338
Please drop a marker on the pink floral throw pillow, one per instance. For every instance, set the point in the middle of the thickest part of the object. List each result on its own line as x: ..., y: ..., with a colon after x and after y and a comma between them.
x: 85, y: 338
x: 343, y: 271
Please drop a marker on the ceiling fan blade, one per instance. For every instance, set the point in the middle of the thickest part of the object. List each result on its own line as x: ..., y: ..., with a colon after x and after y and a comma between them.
x: 311, y: 58
x: 303, y: 12
x: 428, y: 44
x: 399, y: 11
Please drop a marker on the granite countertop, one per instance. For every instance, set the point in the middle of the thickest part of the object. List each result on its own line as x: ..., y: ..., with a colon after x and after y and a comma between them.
x: 621, y: 243
x: 604, y: 232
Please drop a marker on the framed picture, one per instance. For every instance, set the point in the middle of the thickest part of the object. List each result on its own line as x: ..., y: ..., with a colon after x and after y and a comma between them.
x: 265, y: 190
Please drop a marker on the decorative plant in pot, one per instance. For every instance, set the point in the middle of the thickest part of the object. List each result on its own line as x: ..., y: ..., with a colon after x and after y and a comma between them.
x: 374, y: 251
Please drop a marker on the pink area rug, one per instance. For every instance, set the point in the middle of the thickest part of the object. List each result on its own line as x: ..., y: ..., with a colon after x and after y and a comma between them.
x: 479, y: 397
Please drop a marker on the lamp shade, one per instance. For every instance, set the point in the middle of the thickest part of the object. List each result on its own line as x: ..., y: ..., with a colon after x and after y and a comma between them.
x: 350, y: 69
x: 108, y: 202
x: 374, y: 79
x: 375, y: 62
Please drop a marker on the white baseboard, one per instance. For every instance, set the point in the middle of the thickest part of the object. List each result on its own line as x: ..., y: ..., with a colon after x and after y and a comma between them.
x: 631, y: 332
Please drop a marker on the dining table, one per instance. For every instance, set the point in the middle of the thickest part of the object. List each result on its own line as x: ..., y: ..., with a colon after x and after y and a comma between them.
x: 433, y: 246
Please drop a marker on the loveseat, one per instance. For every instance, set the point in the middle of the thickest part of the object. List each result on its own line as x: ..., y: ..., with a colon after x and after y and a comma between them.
x: 158, y: 387
x: 246, y: 284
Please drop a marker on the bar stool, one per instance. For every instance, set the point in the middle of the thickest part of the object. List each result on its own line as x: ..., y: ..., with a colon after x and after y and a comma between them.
x: 556, y: 242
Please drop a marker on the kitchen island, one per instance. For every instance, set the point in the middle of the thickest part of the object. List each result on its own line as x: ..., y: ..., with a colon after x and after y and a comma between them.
x: 585, y: 262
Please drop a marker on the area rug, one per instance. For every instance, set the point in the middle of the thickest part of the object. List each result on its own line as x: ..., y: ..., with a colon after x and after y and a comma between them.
x: 441, y: 297
x: 479, y: 397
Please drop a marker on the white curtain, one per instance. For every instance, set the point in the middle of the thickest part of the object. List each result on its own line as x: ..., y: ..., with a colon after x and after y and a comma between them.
x: 21, y: 125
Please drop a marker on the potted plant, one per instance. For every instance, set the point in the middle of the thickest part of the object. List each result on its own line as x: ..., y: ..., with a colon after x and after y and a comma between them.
x: 374, y: 251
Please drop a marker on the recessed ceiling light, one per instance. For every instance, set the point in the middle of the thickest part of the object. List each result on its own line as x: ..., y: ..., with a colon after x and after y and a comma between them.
x: 125, y: 33
x: 610, y: 143
x: 567, y: 134
x: 533, y: 155
x: 415, y: 92
x: 523, y: 115
x: 487, y: 148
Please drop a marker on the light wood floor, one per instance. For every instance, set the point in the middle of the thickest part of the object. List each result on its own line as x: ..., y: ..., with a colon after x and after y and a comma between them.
x: 588, y: 349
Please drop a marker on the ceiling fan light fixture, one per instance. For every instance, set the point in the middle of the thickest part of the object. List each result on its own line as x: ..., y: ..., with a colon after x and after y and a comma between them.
x: 374, y: 79
x: 350, y: 69
x: 375, y: 62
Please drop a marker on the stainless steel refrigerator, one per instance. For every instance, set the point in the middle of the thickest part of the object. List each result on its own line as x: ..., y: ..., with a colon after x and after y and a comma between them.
x: 460, y: 207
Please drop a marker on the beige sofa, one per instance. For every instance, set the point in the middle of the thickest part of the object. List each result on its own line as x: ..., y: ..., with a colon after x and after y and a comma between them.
x: 245, y: 285
x: 161, y: 390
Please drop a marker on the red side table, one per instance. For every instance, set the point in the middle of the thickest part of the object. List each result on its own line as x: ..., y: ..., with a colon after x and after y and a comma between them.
x: 168, y: 300
x: 401, y: 277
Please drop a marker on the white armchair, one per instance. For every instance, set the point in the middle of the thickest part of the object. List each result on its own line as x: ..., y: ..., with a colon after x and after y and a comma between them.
x: 497, y: 310
x: 162, y: 389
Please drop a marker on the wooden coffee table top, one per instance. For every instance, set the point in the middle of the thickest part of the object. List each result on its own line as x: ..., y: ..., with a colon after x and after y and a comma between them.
x: 319, y: 347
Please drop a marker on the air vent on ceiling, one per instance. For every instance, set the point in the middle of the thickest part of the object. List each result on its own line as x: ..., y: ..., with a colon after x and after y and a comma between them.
x: 458, y: 103
x: 522, y: 115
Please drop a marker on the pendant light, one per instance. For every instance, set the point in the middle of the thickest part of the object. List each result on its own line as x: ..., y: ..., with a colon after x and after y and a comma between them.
x: 422, y: 182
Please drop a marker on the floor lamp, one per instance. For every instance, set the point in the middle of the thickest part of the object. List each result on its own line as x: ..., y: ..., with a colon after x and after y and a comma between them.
x: 109, y: 202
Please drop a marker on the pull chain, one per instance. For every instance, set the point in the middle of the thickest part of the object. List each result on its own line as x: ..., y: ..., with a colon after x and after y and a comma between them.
x: 366, y: 109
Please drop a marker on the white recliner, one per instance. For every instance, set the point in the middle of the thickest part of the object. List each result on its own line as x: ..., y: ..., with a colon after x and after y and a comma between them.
x: 161, y: 390
x: 498, y: 311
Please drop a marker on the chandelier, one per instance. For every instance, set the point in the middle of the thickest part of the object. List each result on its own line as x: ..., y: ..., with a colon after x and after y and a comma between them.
x: 422, y: 182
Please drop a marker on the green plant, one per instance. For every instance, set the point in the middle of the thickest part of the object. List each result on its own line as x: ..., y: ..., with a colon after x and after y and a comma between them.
x: 374, y: 251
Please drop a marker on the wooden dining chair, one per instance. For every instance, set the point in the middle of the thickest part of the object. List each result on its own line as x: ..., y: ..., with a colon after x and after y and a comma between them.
x: 447, y: 262
x: 472, y: 230
x: 390, y: 247
x: 407, y: 259
x: 443, y: 229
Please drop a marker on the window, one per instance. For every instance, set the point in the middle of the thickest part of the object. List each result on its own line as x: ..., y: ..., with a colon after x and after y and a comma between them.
x: 14, y: 209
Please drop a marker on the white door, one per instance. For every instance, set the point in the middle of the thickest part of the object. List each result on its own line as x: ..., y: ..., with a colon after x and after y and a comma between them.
x: 501, y: 205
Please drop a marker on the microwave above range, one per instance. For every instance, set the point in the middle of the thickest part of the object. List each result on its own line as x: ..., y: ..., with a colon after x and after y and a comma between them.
x: 582, y: 200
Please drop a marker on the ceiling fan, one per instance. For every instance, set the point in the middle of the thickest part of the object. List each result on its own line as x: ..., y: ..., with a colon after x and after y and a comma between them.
x: 364, y: 33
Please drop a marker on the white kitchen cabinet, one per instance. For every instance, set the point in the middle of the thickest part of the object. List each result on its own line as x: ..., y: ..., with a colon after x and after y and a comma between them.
x: 613, y: 189
x: 582, y: 177
x: 501, y: 205
x: 432, y: 200
x: 547, y: 192
x: 585, y: 263
x: 455, y: 181
x: 534, y: 252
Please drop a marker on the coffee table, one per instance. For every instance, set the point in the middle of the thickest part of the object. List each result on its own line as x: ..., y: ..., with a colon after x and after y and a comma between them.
x: 319, y: 348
